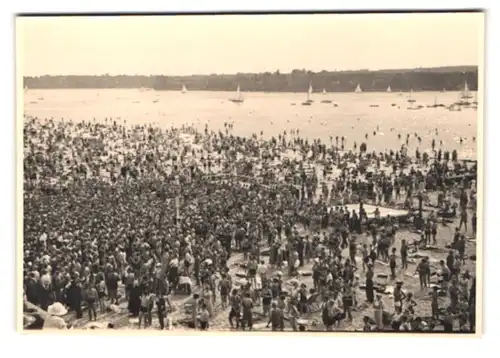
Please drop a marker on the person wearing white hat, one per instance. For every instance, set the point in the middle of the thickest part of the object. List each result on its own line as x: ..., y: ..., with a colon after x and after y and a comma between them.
x: 54, y: 319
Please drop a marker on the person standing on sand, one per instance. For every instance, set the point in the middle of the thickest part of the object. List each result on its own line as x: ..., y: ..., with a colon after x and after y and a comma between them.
x: 399, y: 297
x: 204, y: 316
x: 101, y: 293
x: 369, y: 283
x: 422, y: 269
x: 404, y: 254
x: 267, y: 298
x: 235, y: 301
x: 378, y: 307
x: 435, y: 302
x: 434, y: 231
x: 463, y: 219
x: 247, y: 306
x: 274, y: 318
x: 74, y: 296
x: 224, y: 290
x: 474, y: 223
x: 294, y: 314
x: 112, y: 286
x: 393, y: 263
x: 348, y: 300
x: 461, y: 248
x: 91, y: 296
x: 161, y: 310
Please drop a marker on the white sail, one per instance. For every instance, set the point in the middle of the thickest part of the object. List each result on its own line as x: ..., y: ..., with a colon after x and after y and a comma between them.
x: 389, y: 89
x: 324, y: 91
x: 184, y: 90
x: 466, y: 92
x: 358, y: 89
x: 239, y: 97
x: 309, y: 93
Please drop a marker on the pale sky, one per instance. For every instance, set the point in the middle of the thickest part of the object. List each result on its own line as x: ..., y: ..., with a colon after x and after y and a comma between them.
x: 184, y: 45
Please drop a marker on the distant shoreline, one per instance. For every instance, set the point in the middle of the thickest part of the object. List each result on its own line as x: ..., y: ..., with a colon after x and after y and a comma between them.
x: 421, y: 79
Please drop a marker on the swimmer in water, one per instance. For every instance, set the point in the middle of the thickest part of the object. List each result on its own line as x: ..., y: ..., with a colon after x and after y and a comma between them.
x: 399, y: 136
x: 366, y: 135
x: 461, y: 140
x: 374, y: 133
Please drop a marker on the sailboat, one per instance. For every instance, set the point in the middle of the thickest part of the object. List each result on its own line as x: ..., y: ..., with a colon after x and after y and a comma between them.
x: 358, y: 89
x: 466, y: 93
x: 326, y: 100
x: 389, y: 89
x: 464, y: 96
x: 184, y: 90
x: 410, y: 100
x: 238, y: 98
x: 308, y: 100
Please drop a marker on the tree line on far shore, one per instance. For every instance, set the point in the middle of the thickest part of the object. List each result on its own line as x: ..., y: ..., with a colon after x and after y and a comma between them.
x: 421, y: 79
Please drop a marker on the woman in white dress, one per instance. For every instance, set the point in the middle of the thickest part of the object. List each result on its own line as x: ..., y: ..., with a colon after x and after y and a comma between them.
x: 378, y: 307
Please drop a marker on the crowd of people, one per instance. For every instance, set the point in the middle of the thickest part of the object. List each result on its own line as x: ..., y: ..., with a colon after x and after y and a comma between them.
x: 161, y: 212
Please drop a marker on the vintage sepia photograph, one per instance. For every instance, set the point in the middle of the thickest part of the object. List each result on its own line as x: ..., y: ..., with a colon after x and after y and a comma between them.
x: 275, y: 173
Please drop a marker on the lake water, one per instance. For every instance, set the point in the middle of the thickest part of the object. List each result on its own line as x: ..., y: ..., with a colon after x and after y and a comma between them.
x: 273, y: 113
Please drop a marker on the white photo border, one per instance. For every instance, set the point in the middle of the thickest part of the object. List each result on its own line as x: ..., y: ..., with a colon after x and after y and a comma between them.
x: 77, y: 346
